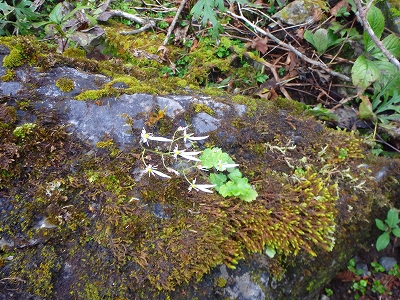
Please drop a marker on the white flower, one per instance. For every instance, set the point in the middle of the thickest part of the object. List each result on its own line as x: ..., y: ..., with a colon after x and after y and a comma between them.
x: 201, y: 187
x: 144, y: 136
x: 223, y: 166
x: 152, y: 170
x: 184, y: 154
x: 201, y: 167
x: 190, y: 137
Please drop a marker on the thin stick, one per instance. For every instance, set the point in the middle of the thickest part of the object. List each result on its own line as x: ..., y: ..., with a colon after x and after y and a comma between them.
x: 368, y: 29
x: 290, y: 47
x: 172, y: 26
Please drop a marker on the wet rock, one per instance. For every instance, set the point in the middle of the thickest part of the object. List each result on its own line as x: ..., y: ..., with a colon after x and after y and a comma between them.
x: 387, y: 262
x: 299, y: 12
x: 362, y: 269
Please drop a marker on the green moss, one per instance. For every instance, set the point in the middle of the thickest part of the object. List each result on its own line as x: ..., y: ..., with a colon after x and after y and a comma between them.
x: 221, y: 282
x: 39, y: 276
x: 14, y: 59
x: 73, y: 52
x: 9, y: 75
x: 201, y: 107
x: 65, y: 84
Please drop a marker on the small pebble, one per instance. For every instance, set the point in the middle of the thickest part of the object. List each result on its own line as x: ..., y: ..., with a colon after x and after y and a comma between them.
x: 387, y: 262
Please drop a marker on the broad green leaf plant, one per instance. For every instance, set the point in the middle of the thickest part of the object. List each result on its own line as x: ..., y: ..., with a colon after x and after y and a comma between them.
x: 19, y: 15
x: 373, y: 66
x: 390, y: 225
x: 177, y: 159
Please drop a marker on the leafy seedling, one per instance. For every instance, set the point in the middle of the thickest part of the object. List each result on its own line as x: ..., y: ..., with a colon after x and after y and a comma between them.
x: 390, y: 225
x: 322, y: 39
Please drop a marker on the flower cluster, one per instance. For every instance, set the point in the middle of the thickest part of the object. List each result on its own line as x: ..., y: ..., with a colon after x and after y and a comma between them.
x: 174, y: 151
x: 226, y: 178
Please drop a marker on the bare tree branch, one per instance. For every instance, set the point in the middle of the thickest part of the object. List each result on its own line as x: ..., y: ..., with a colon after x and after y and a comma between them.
x: 172, y: 26
x: 364, y: 22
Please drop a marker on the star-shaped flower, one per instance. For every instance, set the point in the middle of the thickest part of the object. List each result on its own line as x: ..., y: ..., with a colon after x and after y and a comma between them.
x: 201, y: 187
x: 152, y: 170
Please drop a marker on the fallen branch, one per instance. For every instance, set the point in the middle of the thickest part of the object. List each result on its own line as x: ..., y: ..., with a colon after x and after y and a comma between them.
x: 172, y: 26
x: 288, y: 46
x: 364, y: 22
x: 146, y: 23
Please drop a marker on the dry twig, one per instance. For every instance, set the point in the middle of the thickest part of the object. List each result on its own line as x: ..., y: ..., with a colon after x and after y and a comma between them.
x: 172, y: 26
x: 288, y: 46
x: 146, y: 23
x: 364, y: 22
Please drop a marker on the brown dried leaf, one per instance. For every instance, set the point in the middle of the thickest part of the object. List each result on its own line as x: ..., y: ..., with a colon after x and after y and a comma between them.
x: 260, y: 44
x: 346, y: 276
x: 195, y: 44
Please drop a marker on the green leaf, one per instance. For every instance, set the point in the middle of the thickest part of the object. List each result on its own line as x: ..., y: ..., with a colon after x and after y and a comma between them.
x: 249, y: 196
x: 376, y: 20
x: 365, y: 109
x: 319, y: 39
x: 382, y: 241
x: 218, y: 179
x: 392, y: 43
x: 270, y: 251
x: 235, y: 175
x: 333, y: 38
x: 364, y: 72
x: 56, y: 15
x: 392, y: 217
x: 396, y: 232
x: 380, y: 224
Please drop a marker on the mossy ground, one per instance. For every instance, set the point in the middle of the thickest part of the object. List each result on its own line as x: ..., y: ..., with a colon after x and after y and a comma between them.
x: 107, y: 228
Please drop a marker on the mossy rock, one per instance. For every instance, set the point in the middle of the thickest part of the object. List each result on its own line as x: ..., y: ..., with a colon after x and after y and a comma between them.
x: 96, y: 229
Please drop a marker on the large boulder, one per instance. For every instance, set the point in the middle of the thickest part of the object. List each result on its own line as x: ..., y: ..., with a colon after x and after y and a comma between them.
x: 80, y: 219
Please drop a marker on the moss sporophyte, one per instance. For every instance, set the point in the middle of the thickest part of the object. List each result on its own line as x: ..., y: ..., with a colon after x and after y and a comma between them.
x: 176, y: 158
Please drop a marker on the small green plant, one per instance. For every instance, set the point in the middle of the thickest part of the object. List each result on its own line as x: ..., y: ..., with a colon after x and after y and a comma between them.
x: 207, y: 11
x: 373, y: 66
x: 226, y: 177
x: 17, y: 18
x: 261, y: 78
x: 222, y: 52
x: 395, y: 271
x: 59, y: 19
x: 328, y: 292
x: 342, y: 153
x: 390, y: 225
x: 24, y: 130
x: 377, y: 287
x: 352, y: 267
x: 322, y: 39
x: 359, y: 286
x: 377, y: 267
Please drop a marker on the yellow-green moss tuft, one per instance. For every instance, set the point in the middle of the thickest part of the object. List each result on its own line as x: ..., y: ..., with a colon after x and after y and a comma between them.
x: 65, y: 84
x: 74, y: 53
x: 14, y: 59
x: 9, y: 75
